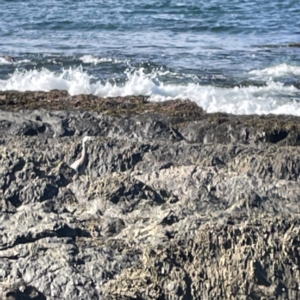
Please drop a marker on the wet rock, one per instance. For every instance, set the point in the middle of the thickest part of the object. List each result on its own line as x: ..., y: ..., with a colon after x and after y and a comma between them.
x: 294, y: 45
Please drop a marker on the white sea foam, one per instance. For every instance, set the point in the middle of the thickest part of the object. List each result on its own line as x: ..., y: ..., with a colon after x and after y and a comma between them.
x: 276, y: 71
x: 90, y: 59
x: 273, y: 98
x: 4, y: 61
x: 75, y: 81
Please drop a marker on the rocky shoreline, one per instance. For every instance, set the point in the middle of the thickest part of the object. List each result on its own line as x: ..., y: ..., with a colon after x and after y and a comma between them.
x: 173, y: 203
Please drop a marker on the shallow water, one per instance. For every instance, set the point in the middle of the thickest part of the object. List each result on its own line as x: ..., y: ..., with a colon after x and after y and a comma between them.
x: 230, y: 56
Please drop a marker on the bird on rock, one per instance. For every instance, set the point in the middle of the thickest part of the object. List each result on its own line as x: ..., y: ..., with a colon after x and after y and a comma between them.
x: 77, y: 164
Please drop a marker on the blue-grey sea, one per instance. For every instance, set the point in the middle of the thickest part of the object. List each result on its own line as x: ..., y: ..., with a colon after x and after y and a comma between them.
x: 236, y: 56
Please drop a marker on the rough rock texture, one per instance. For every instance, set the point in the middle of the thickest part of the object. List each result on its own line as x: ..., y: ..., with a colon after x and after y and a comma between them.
x: 174, y: 203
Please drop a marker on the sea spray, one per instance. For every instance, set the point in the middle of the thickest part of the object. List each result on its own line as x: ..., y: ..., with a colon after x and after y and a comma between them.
x: 280, y: 70
x: 273, y: 97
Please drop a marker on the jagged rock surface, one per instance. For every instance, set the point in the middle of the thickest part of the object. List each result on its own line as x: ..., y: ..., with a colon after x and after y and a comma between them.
x: 205, y: 207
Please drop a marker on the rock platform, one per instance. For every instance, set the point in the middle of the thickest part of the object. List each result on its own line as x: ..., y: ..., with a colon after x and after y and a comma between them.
x: 173, y: 203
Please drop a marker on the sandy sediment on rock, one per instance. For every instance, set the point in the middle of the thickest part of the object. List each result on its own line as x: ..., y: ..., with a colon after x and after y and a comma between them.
x: 173, y: 203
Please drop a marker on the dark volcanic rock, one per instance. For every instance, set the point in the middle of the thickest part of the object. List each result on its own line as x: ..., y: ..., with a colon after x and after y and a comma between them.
x: 174, y: 203
x: 294, y: 45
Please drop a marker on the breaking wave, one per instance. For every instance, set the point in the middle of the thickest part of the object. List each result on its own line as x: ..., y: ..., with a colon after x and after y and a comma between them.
x: 4, y: 61
x: 90, y: 59
x: 275, y: 97
x: 280, y: 70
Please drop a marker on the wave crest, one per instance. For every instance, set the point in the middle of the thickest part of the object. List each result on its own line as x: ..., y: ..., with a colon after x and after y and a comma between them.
x: 90, y: 59
x: 277, y: 71
x: 274, y: 98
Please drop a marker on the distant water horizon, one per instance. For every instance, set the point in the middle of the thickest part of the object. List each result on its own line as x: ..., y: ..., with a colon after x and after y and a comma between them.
x: 240, y: 57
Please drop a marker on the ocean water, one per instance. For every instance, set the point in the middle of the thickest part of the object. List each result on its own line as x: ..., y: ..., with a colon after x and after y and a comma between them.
x: 236, y: 56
